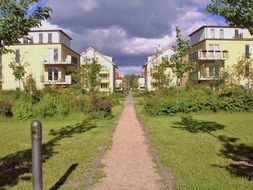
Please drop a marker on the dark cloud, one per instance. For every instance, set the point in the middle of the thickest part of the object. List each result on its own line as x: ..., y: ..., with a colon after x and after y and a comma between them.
x: 121, y: 28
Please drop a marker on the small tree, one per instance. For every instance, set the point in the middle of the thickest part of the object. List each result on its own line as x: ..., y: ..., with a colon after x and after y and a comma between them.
x: 17, y: 18
x: 93, y: 72
x: 87, y: 76
x: 30, y: 87
x: 18, y: 70
x: 178, y: 63
x: 242, y: 70
x: 236, y: 13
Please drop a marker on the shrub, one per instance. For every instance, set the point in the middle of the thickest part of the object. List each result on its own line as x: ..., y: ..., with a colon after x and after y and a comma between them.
x: 200, y: 99
x: 5, y: 108
x: 23, y: 110
x: 63, y: 105
x: 101, y: 107
x: 46, y: 107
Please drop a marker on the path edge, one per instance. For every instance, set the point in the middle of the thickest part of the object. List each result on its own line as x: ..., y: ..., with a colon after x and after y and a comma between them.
x: 89, y: 176
x: 164, y: 171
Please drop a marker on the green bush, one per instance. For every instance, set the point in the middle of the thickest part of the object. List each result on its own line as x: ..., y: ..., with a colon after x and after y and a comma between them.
x: 23, y: 110
x: 199, y: 99
x: 101, y: 107
x: 5, y: 108
x: 46, y: 107
x: 63, y: 105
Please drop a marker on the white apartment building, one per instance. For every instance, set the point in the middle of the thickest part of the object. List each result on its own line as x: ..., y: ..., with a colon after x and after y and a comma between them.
x: 108, y: 68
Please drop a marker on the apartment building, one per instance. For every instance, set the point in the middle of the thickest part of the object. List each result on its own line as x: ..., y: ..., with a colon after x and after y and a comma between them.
x: 151, y: 69
x: 216, y: 47
x: 48, y: 55
x: 107, y: 71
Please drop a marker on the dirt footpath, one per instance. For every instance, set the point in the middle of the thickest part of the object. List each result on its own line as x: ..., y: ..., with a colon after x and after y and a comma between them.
x: 128, y: 165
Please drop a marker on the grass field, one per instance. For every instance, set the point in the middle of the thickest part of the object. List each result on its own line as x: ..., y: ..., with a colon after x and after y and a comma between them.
x: 69, y: 145
x: 206, y: 150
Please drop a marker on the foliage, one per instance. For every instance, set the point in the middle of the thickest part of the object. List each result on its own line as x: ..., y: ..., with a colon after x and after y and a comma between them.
x: 130, y: 81
x: 30, y: 88
x: 18, y: 69
x: 231, y: 99
x: 236, y: 13
x: 87, y: 76
x: 23, y: 109
x: 5, y: 108
x: 17, y: 18
x: 46, y: 107
x: 242, y: 70
x: 177, y: 62
x: 101, y: 107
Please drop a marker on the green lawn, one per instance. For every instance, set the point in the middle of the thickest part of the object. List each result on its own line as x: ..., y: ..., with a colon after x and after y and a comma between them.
x: 69, y: 146
x: 205, y: 150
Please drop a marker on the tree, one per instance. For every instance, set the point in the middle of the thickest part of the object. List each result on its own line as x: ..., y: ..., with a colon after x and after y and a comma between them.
x: 18, y: 70
x: 17, y: 17
x: 178, y: 63
x: 87, y: 76
x: 160, y: 71
x: 236, y: 13
x: 242, y: 70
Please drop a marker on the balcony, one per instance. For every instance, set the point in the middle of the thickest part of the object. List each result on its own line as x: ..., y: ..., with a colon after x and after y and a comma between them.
x: 154, y: 81
x: 70, y: 60
x: 104, y: 72
x: 154, y: 71
x: 63, y: 81
x: 209, y: 55
x: 205, y: 76
x: 105, y: 89
x: 104, y: 81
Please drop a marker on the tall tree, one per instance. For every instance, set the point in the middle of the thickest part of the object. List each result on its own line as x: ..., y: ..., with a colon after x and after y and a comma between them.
x: 178, y: 62
x: 238, y: 13
x: 17, y: 17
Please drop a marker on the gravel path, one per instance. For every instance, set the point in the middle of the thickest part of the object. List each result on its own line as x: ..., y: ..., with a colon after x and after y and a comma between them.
x: 128, y: 165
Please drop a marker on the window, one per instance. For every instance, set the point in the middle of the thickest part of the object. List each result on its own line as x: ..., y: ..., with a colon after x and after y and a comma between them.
x: 53, y: 74
x: 236, y: 34
x: 55, y: 55
x: 221, y: 33
x: 17, y: 55
x: 25, y: 40
x: 49, y: 37
x: 246, y: 71
x: 212, y: 33
x: 247, y: 51
x: 41, y: 38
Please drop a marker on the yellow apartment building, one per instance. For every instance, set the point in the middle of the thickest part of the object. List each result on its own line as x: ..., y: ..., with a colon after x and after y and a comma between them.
x: 222, y: 45
x: 48, y: 55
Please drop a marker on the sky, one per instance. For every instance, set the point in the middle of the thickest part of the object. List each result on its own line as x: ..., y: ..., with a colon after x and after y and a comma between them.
x: 127, y: 30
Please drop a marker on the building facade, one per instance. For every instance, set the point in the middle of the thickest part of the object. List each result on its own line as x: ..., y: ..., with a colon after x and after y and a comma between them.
x: 151, y: 69
x: 48, y: 56
x: 217, y: 47
x: 108, y: 68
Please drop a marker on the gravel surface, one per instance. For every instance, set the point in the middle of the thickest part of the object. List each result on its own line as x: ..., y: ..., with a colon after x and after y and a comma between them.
x: 128, y: 164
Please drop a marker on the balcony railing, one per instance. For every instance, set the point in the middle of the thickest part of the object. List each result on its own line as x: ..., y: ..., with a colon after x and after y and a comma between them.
x: 105, y: 89
x: 70, y: 60
x: 103, y: 80
x: 209, y: 55
x: 64, y: 81
x: 205, y: 76
x: 154, y: 81
x: 104, y: 72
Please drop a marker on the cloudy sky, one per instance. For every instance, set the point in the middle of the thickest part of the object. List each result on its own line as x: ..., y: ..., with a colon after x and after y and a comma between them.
x: 127, y: 30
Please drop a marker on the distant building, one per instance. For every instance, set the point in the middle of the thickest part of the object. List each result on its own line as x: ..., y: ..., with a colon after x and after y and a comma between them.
x: 50, y: 59
x: 141, y: 83
x: 119, y: 82
x: 108, y: 68
x: 151, y: 68
x: 218, y: 45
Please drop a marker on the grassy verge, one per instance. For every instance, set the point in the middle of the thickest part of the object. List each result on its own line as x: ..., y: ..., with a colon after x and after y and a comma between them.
x: 205, y: 150
x: 70, y: 145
